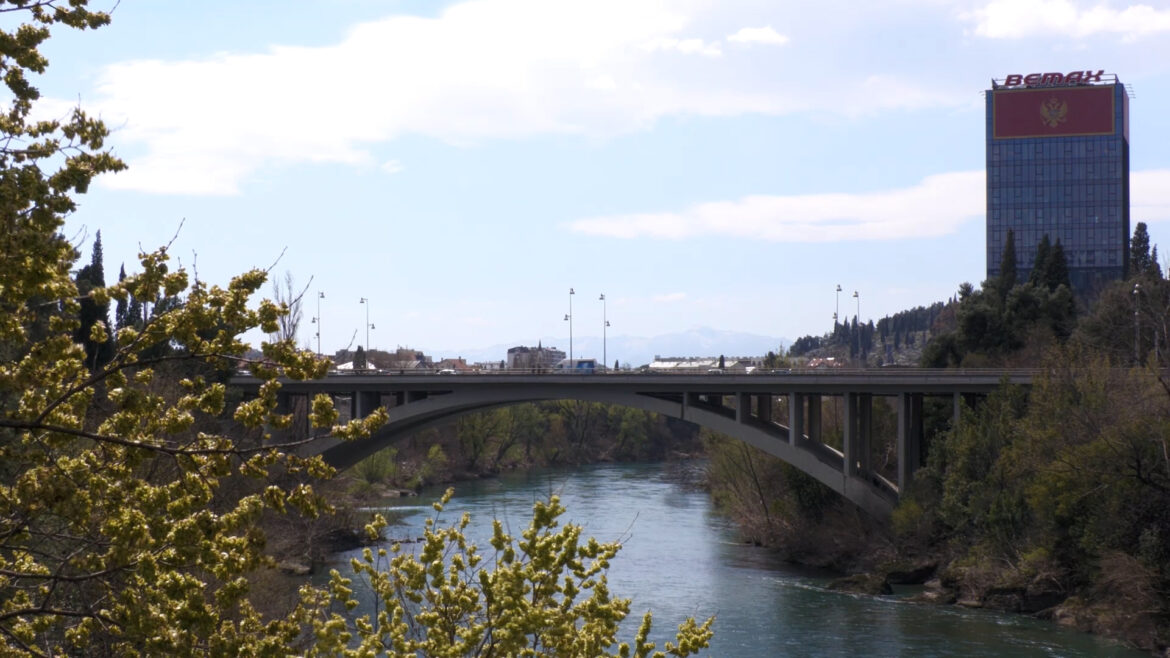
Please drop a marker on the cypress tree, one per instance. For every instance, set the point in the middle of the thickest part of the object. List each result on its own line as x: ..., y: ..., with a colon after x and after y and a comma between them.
x: 1155, y: 269
x: 1139, y: 250
x: 1041, y: 265
x: 88, y: 278
x: 1057, y: 270
x: 1007, y: 265
x: 120, y: 309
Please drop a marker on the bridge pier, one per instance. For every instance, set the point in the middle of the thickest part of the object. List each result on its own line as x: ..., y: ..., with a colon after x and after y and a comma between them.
x: 795, y: 418
x: 909, y: 437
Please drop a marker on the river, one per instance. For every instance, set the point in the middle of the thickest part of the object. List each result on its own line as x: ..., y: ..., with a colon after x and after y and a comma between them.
x: 680, y: 558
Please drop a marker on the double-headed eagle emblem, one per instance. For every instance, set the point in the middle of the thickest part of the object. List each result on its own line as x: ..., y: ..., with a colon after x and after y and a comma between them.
x: 1053, y: 112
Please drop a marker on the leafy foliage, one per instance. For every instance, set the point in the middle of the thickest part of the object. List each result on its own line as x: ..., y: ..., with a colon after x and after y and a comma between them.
x: 131, y: 484
x: 545, y: 593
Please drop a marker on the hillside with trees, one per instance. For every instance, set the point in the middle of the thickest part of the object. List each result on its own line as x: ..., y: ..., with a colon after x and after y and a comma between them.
x: 1053, y: 502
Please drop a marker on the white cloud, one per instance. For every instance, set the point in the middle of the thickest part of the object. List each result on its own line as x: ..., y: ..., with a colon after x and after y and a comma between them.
x: 480, y: 70
x: 392, y: 167
x: 1149, y: 193
x: 936, y: 206
x: 758, y: 35
x: 1015, y: 19
x: 685, y: 46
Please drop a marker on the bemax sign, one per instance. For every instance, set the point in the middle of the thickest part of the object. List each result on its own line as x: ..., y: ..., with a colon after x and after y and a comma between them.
x: 1043, y: 79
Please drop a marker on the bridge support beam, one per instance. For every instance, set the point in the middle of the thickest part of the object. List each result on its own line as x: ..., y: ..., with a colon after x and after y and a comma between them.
x: 364, y: 403
x: 849, y: 436
x: 814, y: 424
x: 909, y: 437
x: 864, y: 432
x: 764, y: 408
x: 795, y: 418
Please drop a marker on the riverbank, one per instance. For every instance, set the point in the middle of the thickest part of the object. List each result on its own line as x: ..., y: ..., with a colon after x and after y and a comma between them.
x: 1114, y: 594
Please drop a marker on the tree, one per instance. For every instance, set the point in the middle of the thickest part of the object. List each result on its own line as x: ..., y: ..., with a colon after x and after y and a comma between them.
x: 285, y: 295
x: 1039, y: 273
x: 722, y: 361
x: 1007, y: 265
x: 97, y: 351
x: 544, y: 594
x: 120, y: 308
x: 130, y: 489
x: 1155, y: 268
x: 1056, y: 273
x: 359, y: 358
x: 1139, y: 250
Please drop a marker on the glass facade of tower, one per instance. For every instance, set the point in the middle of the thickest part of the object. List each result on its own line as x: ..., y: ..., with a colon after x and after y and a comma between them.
x: 1058, y: 165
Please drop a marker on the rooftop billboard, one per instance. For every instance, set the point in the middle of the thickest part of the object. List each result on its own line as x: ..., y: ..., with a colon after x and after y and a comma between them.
x: 1052, y: 112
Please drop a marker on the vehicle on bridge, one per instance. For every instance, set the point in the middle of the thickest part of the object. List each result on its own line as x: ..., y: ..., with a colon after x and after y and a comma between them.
x: 578, y: 366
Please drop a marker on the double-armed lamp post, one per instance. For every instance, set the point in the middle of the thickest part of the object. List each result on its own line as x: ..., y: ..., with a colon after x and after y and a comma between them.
x: 366, y: 302
x: 604, y: 326
x: 569, y: 319
x: 317, y: 320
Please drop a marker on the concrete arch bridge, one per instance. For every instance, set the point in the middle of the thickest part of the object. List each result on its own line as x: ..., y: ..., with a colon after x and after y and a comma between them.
x: 779, y: 413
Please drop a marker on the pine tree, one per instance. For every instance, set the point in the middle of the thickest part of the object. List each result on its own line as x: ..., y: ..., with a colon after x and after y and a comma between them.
x: 1155, y: 269
x: 120, y: 309
x: 1041, y: 265
x: 92, y: 276
x: 1139, y: 250
x: 1007, y: 265
x: 1057, y: 269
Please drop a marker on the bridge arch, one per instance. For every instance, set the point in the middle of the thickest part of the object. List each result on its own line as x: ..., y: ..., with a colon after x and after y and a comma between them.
x: 419, y: 401
x: 811, y: 457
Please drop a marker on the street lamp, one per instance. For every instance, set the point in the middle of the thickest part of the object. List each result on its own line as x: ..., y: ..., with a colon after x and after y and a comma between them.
x: 604, y: 326
x: 569, y: 317
x: 1136, y: 326
x: 366, y: 303
x: 317, y: 320
x: 858, y: 298
x: 837, y: 308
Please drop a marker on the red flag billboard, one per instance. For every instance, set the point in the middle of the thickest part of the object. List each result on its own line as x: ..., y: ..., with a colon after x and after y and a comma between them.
x: 1052, y: 112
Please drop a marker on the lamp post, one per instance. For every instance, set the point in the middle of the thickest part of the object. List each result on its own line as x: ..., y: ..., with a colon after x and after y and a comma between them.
x: 366, y: 302
x: 858, y: 298
x: 604, y: 326
x: 837, y: 308
x: 317, y: 320
x: 1136, y: 325
x: 569, y: 317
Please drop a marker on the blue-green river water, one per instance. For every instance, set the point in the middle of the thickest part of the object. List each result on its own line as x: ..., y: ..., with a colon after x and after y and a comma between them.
x: 680, y: 558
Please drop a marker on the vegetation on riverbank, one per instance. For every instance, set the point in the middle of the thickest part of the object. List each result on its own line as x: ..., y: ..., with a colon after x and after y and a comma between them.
x: 523, y: 436
x: 1054, y: 502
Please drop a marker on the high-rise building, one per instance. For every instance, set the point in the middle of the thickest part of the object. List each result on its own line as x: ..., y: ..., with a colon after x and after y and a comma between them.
x: 1058, y: 165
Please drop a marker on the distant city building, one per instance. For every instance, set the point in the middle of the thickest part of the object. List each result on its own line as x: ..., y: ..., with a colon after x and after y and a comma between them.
x: 458, y: 365
x: 1058, y: 165
x: 403, y: 358
x: 534, y: 358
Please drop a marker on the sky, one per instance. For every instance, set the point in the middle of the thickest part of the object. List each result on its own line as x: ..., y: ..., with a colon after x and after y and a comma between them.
x: 462, y: 165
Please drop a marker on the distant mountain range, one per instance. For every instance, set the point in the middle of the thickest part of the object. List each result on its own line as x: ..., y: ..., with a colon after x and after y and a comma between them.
x: 633, y: 350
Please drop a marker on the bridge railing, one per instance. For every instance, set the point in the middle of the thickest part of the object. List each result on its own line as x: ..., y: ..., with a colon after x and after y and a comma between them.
x: 713, y: 372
